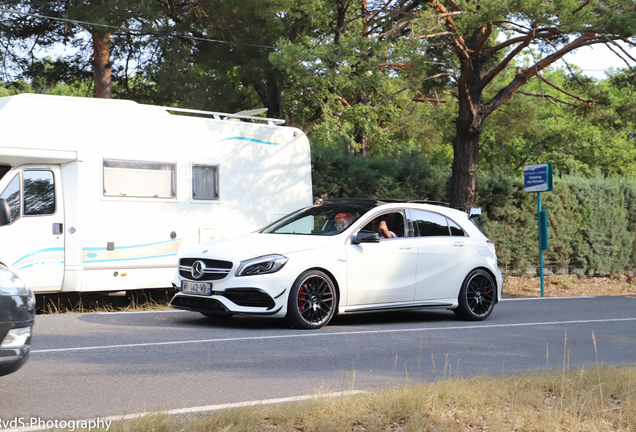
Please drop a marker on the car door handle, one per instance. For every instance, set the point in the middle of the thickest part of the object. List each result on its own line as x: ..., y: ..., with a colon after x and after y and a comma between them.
x: 406, y: 247
x: 459, y: 244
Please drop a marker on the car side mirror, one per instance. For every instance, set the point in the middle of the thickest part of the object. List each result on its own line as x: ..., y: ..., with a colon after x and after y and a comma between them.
x: 5, y: 212
x: 365, y: 237
x: 474, y: 212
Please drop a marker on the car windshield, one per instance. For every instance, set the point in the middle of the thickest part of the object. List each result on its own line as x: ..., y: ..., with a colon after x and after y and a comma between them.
x: 327, y: 220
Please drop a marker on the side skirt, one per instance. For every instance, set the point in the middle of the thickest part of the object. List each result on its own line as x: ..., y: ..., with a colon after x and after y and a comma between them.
x: 398, y: 306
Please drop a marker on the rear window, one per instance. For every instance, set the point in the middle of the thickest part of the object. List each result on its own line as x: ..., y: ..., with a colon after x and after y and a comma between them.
x: 430, y: 224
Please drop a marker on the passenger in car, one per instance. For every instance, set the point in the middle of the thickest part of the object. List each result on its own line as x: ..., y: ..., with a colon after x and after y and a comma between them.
x: 380, y: 226
x: 343, y: 220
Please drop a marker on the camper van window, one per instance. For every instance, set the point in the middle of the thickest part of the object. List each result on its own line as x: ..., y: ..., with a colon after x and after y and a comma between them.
x: 12, y: 195
x: 39, y: 193
x: 139, y: 179
x: 205, y: 182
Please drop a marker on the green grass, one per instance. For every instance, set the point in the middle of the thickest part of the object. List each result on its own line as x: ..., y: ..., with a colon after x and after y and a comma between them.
x: 589, y: 399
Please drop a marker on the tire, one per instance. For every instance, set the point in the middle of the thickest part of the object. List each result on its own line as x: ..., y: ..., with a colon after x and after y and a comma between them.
x: 477, y: 297
x: 312, y: 301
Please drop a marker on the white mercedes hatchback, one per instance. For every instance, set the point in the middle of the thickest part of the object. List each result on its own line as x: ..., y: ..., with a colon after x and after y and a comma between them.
x: 346, y: 256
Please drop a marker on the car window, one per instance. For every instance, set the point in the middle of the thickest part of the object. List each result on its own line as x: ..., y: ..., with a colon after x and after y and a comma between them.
x: 430, y: 224
x: 394, y: 222
x: 318, y: 220
x: 455, y: 229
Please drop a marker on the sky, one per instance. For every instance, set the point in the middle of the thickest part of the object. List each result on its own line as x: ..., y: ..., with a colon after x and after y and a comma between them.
x: 594, y: 60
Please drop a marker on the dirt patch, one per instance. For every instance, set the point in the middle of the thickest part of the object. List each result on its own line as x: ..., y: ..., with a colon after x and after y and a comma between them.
x: 569, y: 285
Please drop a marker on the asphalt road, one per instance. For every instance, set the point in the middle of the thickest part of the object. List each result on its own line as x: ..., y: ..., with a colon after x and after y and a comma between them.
x: 94, y: 365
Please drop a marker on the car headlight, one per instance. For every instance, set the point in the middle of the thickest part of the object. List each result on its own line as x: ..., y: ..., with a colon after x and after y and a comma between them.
x: 16, y: 338
x: 261, y: 265
x: 11, y: 284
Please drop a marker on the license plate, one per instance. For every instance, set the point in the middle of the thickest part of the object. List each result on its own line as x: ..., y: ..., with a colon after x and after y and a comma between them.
x: 196, y: 287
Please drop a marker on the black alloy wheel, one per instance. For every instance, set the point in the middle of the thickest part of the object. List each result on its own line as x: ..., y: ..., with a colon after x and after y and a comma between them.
x: 312, y: 300
x: 477, y: 297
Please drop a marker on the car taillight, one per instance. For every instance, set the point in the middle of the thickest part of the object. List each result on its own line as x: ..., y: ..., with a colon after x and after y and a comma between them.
x: 491, y: 245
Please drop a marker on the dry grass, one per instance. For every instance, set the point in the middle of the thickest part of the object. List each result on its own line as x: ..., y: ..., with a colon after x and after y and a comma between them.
x: 138, y: 300
x: 583, y: 400
x: 568, y: 285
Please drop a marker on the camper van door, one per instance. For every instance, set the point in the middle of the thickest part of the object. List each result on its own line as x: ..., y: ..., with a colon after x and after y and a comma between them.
x: 33, y: 243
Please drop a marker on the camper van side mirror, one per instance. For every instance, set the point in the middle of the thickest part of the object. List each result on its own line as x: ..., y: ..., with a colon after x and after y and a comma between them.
x: 5, y: 212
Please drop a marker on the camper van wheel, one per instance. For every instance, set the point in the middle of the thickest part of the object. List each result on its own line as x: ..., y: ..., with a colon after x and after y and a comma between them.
x: 214, y: 316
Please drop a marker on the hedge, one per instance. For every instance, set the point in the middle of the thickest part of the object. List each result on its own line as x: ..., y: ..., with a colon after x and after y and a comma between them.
x: 591, y: 220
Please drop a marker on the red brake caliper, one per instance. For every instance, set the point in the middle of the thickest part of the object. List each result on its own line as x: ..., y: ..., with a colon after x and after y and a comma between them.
x: 302, y: 298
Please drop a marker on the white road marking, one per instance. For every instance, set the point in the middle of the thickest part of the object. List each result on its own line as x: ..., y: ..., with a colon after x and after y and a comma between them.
x: 301, y: 334
x: 206, y: 408
x: 547, y: 298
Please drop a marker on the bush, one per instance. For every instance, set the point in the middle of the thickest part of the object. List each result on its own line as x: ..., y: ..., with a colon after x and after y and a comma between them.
x: 591, y: 220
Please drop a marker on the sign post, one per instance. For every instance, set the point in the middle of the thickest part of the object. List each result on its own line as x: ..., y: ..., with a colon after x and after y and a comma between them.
x: 538, y: 178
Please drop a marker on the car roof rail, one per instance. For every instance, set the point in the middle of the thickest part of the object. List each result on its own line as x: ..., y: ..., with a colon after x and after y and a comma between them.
x: 429, y: 202
x: 377, y: 202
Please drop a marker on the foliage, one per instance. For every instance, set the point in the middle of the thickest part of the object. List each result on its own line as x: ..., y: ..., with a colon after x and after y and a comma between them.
x: 357, y: 78
x: 337, y: 173
x: 591, y: 220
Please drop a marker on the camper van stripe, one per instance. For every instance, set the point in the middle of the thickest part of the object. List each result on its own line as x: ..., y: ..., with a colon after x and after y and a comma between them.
x: 38, y: 252
x: 129, y: 259
x: 84, y: 249
x: 135, y: 252
x: 250, y: 139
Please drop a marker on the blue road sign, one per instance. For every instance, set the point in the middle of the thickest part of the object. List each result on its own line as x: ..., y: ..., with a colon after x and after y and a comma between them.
x: 537, y: 177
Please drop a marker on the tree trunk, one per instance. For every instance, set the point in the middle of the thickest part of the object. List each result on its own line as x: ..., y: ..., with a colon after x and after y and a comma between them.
x: 271, y: 92
x: 468, y: 129
x: 102, y: 65
x: 466, y: 150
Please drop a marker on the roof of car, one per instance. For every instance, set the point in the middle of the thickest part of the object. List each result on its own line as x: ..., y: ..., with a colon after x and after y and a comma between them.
x: 378, y: 202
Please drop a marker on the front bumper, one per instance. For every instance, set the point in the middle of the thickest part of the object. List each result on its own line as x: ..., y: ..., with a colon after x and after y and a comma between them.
x: 266, y: 295
x: 247, y: 301
x: 12, y: 359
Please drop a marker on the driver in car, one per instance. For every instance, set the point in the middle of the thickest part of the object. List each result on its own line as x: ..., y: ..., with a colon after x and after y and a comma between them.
x: 380, y: 226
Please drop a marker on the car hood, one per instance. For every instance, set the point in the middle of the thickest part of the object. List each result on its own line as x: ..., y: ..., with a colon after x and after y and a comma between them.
x: 257, y: 244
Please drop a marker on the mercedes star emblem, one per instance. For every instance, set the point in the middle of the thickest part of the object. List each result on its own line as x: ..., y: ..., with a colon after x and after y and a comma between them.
x: 197, y: 269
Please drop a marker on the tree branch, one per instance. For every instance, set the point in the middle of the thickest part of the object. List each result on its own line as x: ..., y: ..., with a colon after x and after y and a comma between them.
x: 484, y: 38
x: 501, y: 66
x: 446, y: 33
x: 580, y: 8
x: 588, y: 102
x: 567, y: 65
x: 621, y: 57
x: 504, y: 94
x: 550, y: 99
x: 513, y: 41
x: 459, y: 42
x: 392, y: 95
x: 439, y: 101
x: 454, y: 6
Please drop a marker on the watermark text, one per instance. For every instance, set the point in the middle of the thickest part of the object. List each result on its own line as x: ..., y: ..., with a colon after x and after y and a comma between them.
x: 38, y: 423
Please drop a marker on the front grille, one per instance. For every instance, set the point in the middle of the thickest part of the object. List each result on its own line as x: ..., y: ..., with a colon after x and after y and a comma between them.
x: 248, y: 297
x: 214, y: 269
x: 199, y: 303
